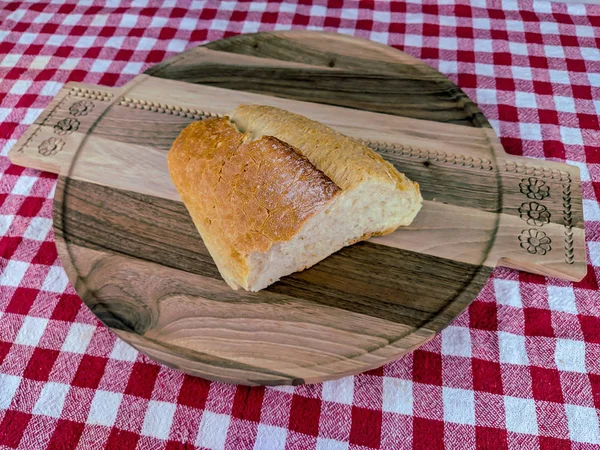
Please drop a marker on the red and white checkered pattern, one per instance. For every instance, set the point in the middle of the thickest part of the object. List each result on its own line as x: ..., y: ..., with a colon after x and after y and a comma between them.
x: 519, y: 370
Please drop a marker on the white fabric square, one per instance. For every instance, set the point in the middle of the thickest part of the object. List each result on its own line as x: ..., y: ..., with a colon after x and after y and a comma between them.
x: 381, y: 37
x: 508, y: 293
x: 331, y: 444
x: 31, y: 331
x: 459, y: 406
x: 27, y: 38
x: 8, y: 144
x: 39, y: 62
x: 5, y: 222
x: 51, y: 88
x: 482, y: 23
x: 590, y: 54
x: 51, y: 400
x: 213, y: 430
x: 571, y: 136
x: 515, y: 25
x: 158, y: 419
x: 341, y: 391
x: 284, y: 388
x: 10, y: 60
x: 584, y: 31
x: 133, y: 68
x: 381, y: 16
x: 78, y: 338
x: 518, y: 48
x: 85, y: 41
x: 448, y: 43
x: 583, y: 424
x: 177, y: 45
x: 456, y: 341
x: 564, y: 104
x: 562, y: 299
x: 247, y: 27
x: 257, y: 6
x: 31, y: 115
x: 72, y: 19
x: 128, y: 21
x: 104, y: 408
x: 42, y: 18
x: 570, y: 355
x: 522, y: 73
x: 525, y: 99
x: 530, y: 131
x: 55, y: 39
x: 484, y: 69
x: 115, y: 42
x: 56, y: 280
x: 20, y: 87
x: 594, y: 248
x: 158, y: 21
x: 483, y: 45
x: 23, y: 185
x: 100, y: 65
x: 349, y: 13
x: 8, y: 386
x: 559, y: 76
x: 146, y: 43
x: 413, y: 40
x: 13, y: 273
x: 270, y: 438
x: 547, y: 27
x: 188, y: 23
x: 17, y: 15
x: 512, y: 348
x: 554, y: 51
x: 448, y: 67
x: 397, y: 396
x: 70, y: 63
x: 576, y: 9
x: 591, y: 210
x: 584, y: 173
x: 542, y: 7
x: 123, y: 351
x: 318, y: 10
x: 447, y: 21
x: 99, y: 20
x: 486, y: 96
x: 520, y: 415
x: 221, y: 25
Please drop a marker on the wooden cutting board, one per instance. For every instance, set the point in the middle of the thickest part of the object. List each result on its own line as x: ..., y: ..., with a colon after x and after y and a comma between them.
x: 133, y: 254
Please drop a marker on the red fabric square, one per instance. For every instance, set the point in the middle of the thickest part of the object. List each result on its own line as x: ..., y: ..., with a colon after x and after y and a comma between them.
x: 508, y: 113
x: 67, y: 308
x: 66, y: 435
x: 12, y: 428
x: 142, y: 379
x: 575, y: 65
x: 122, y: 440
x: 545, y: 384
x: 588, y: 121
x: 582, y: 92
x: 540, y: 62
x: 378, y: 372
x: 487, y: 376
x: 247, y: 403
x: 430, y: 29
x: 364, y: 25
x: 487, y: 438
x: 366, y: 427
x: 502, y: 59
x: 427, y: 367
x: 483, y: 315
x: 550, y: 443
x: 467, y: 80
x: 525, y: 277
x: 595, y: 383
x: 538, y: 322
x: 22, y: 300
x: 40, y: 364
x: 90, y: 371
x: 463, y: 11
x: 4, y: 349
x: 8, y: 245
x: 589, y: 281
x: 590, y: 326
x: 304, y: 415
x: 554, y: 149
x: 176, y: 445
x: 429, y: 434
x: 533, y: 38
x: 46, y: 254
x: 193, y: 392
x: 548, y: 116
x: 31, y: 207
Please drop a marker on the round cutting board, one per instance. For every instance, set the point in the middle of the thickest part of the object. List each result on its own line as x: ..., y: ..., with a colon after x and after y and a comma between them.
x: 135, y: 257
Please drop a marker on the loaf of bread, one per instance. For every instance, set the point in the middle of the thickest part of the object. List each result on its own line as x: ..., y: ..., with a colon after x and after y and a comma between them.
x: 272, y: 192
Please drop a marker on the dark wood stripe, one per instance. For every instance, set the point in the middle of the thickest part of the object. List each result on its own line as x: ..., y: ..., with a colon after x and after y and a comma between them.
x: 402, y: 287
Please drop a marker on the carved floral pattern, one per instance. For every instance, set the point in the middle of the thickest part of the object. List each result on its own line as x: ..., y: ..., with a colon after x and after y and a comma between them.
x: 534, y: 213
x: 535, y: 242
x: 51, y: 146
x: 534, y: 188
x: 81, y: 108
x: 66, y: 126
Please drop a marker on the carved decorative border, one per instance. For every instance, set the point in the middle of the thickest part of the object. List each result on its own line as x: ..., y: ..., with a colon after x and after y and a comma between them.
x: 437, y: 156
x: 166, y: 109
x: 568, y: 221
x: 536, y: 171
x: 91, y: 94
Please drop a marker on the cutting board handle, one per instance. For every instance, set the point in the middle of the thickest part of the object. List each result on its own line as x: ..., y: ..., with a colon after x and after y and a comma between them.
x: 53, y: 140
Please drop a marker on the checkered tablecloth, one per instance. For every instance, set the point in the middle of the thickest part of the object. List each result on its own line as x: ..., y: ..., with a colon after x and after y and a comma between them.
x: 520, y: 369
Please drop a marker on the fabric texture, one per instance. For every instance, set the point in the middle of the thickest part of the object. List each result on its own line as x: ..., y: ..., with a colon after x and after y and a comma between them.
x: 520, y: 369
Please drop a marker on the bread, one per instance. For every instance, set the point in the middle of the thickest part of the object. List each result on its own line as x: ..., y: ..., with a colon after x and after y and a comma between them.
x: 272, y: 192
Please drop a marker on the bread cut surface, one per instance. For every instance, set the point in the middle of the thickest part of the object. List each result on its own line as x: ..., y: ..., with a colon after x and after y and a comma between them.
x: 272, y: 192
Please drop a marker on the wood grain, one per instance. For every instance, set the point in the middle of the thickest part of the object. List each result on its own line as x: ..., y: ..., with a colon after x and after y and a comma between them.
x: 135, y: 257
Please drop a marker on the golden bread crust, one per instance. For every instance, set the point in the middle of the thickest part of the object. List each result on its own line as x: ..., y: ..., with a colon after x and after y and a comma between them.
x: 244, y: 195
